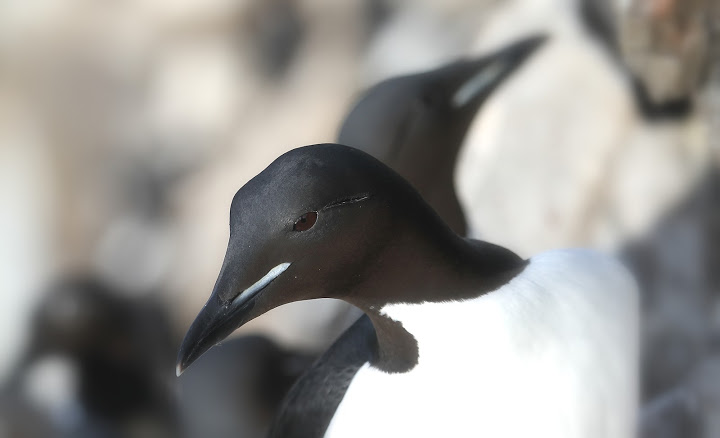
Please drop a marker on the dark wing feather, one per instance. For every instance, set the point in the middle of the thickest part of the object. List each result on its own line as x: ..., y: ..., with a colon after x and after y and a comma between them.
x: 311, y: 403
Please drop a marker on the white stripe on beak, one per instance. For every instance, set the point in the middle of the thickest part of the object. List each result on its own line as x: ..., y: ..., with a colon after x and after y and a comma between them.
x: 258, y: 285
x: 476, y: 84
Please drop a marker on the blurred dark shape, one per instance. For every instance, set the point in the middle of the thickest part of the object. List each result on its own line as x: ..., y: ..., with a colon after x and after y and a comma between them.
x: 601, y: 22
x: 417, y: 123
x: 100, y: 365
x: 705, y: 383
x: 676, y: 266
x: 674, y: 414
x: 377, y: 13
x: 236, y: 388
x: 135, y: 250
x: 666, y: 48
x: 598, y: 16
x: 690, y: 410
x: 275, y: 30
x: 147, y: 183
x: 658, y: 111
x: 20, y: 419
x: 144, y: 179
x: 120, y: 352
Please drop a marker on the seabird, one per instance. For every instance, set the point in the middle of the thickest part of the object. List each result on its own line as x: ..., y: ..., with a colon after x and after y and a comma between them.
x: 417, y: 123
x: 109, y: 354
x: 459, y: 338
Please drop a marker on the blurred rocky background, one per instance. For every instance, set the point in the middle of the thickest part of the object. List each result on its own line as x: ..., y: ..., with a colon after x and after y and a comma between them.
x: 126, y: 127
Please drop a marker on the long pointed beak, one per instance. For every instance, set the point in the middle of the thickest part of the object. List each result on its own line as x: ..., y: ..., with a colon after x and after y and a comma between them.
x: 211, y: 326
x: 218, y: 318
x: 494, y: 68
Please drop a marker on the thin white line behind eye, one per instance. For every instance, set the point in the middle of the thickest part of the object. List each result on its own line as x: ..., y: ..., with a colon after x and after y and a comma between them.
x: 350, y: 200
x: 258, y: 285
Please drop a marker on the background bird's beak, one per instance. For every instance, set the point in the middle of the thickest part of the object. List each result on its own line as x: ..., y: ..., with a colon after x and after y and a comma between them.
x: 489, y: 72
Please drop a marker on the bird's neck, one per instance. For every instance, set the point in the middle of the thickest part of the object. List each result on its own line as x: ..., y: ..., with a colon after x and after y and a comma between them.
x: 416, y: 267
x: 447, y: 268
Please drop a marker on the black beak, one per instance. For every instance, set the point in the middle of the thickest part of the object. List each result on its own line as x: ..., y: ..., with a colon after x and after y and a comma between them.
x: 213, y: 324
x: 517, y: 53
x: 220, y: 317
x: 521, y: 49
x: 487, y: 73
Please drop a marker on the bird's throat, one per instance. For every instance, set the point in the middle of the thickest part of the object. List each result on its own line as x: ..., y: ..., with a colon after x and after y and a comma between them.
x: 397, y: 349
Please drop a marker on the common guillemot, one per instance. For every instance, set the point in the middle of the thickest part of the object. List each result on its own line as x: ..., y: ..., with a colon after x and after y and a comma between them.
x: 416, y: 123
x: 460, y: 337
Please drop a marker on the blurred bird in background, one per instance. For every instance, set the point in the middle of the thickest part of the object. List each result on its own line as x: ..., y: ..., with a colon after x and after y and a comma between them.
x: 237, y: 389
x: 416, y: 124
x: 100, y: 364
x: 97, y: 363
x: 125, y: 129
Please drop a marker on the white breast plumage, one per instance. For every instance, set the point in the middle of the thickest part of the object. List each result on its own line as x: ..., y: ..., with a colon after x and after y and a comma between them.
x: 554, y: 353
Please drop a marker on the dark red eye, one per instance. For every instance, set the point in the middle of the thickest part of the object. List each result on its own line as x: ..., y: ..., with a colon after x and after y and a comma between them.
x: 306, y: 221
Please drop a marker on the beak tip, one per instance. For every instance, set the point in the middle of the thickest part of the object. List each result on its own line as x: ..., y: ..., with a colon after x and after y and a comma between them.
x: 179, y: 369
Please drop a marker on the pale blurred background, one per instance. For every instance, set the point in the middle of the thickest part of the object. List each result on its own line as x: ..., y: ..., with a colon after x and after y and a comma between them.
x: 127, y: 126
